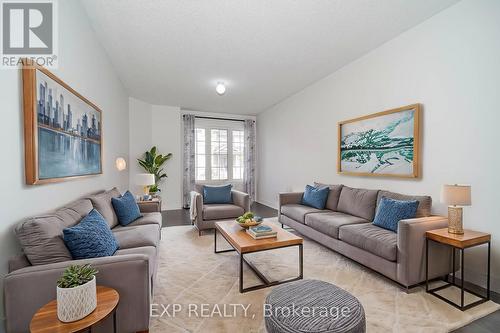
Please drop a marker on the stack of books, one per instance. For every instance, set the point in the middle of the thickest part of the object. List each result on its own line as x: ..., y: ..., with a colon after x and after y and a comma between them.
x: 261, y: 231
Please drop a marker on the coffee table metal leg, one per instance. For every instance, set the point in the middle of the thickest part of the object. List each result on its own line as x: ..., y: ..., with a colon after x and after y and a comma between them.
x: 301, y: 261
x: 241, y: 273
x: 426, y: 264
x: 215, y: 240
x: 488, y: 275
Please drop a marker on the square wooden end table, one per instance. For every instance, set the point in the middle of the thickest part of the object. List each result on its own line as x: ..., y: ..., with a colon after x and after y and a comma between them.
x: 469, y: 239
x: 243, y: 243
x: 150, y: 206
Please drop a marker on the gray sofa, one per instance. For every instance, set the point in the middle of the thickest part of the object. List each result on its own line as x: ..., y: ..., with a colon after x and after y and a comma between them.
x: 345, y: 227
x: 204, y: 216
x: 32, y: 277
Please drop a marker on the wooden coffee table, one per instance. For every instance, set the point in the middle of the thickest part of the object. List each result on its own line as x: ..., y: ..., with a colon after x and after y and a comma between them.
x: 243, y: 243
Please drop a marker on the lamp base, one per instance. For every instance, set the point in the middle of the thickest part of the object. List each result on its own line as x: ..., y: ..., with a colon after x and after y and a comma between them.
x: 146, y: 190
x: 455, y: 222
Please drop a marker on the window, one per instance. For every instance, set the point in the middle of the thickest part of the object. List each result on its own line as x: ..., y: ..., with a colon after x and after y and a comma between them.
x: 218, y: 154
x: 200, y: 154
x: 238, y: 150
x: 219, y: 151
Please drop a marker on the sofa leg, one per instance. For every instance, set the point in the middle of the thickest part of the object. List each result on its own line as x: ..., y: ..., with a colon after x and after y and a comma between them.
x: 199, y: 233
x: 282, y: 226
x: 145, y: 331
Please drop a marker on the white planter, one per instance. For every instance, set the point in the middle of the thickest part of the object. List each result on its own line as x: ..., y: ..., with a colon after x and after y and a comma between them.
x: 76, y: 303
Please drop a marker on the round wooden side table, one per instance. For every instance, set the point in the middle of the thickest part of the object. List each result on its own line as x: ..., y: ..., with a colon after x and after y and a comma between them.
x: 45, y: 319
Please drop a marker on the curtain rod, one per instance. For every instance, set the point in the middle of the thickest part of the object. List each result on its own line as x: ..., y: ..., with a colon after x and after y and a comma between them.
x: 215, y: 118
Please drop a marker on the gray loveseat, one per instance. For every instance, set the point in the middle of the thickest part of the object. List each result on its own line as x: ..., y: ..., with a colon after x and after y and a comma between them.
x: 32, y: 277
x: 345, y: 227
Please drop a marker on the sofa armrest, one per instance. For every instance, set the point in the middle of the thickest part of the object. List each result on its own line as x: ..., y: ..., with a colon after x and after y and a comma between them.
x: 286, y: 198
x: 241, y: 199
x: 29, y: 288
x: 411, y: 250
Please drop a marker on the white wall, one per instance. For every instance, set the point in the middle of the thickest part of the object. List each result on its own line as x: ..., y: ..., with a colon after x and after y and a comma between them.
x: 167, y: 137
x: 160, y: 126
x: 83, y: 65
x: 450, y: 64
x: 140, y: 138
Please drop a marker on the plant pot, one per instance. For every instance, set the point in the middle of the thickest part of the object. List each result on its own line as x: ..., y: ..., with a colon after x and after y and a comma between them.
x: 76, y: 303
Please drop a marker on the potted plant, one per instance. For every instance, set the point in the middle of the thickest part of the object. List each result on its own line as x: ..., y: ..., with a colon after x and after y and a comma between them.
x: 152, y: 163
x: 76, y: 293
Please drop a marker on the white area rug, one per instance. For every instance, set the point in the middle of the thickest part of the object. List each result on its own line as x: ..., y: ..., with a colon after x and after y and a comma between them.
x: 204, y: 285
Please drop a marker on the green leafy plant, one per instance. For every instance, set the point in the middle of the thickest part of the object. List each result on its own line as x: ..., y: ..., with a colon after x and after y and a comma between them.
x: 152, y: 162
x: 76, y: 275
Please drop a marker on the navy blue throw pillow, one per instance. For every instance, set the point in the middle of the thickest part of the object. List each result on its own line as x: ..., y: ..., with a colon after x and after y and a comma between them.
x: 91, y: 238
x: 390, y: 212
x: 126, y: 208
x: 217, y: 194
x: 315, y: 196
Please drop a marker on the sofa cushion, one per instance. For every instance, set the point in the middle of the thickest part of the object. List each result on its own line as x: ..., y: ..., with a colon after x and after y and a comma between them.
x: 41, y: 237
x: 137, y: 236
x: 358, y: 202
x: 371, y: 238
x: 298, y: 212
x: 91, y: 238
x: 217, y: 194
x: 424, y: 201
x: 315, y: 196
x: 153, y: 218
x: 221, y: 211
x: 149, y: 251
x: 102, y: 203
x: 333, y: 197
x: 390, y: 212
x: 329, y: 223
x: 126, y: 208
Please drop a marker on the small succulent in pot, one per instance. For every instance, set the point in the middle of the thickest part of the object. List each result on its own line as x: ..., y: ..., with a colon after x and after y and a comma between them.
x: 76, y: 293
x: 76, y: 275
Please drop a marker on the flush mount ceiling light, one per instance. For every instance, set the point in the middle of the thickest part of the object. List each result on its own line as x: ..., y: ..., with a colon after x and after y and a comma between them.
x: 220, y: 88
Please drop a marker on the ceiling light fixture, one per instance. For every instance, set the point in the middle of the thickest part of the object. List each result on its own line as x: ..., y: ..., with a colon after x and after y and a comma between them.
x: 220, y: 88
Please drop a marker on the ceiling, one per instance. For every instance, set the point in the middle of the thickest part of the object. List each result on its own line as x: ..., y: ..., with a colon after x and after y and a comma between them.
x: 174, y: 52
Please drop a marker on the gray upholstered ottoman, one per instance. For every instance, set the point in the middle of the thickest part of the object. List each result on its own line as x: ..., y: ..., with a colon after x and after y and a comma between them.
x: 313, y: 306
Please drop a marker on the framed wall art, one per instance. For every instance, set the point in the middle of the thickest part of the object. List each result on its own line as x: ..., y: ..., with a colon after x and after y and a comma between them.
x: 381, y: 144
x: 62, y: 129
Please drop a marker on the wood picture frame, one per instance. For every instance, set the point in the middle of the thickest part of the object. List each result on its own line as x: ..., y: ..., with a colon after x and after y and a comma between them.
x: 392, y: 155
x: 46, y: 124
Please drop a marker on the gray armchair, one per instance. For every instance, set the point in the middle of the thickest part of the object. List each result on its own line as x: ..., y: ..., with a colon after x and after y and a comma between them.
x: 204, y: 216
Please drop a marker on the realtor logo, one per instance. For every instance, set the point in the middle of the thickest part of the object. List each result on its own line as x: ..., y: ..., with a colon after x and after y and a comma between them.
x: 28, y: 31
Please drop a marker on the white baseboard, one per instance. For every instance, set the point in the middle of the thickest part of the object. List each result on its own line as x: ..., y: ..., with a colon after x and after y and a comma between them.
x: 479, y: 279
x: 268, y: 204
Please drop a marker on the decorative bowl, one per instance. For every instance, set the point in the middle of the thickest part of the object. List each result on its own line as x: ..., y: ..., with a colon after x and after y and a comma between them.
x: 249, y: 223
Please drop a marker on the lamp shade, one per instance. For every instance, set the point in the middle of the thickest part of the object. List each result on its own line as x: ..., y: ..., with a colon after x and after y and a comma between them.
x: 121, y: 164
x: 457, y: 195
x: 145, y: 179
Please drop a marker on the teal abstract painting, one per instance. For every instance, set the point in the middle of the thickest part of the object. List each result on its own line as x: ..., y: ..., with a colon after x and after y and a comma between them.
x: 381, y: 144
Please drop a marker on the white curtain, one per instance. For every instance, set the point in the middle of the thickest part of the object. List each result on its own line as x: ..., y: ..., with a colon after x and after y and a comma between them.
x: 250, y: 158
x: 189, y: 167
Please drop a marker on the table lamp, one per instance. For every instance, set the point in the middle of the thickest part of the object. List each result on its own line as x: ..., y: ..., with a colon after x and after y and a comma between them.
x: 456, y: 196
x: 146, y: 180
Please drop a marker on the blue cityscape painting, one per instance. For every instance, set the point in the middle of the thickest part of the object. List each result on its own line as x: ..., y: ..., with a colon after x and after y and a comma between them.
x: 383, y: 144
x: 69, y: 132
